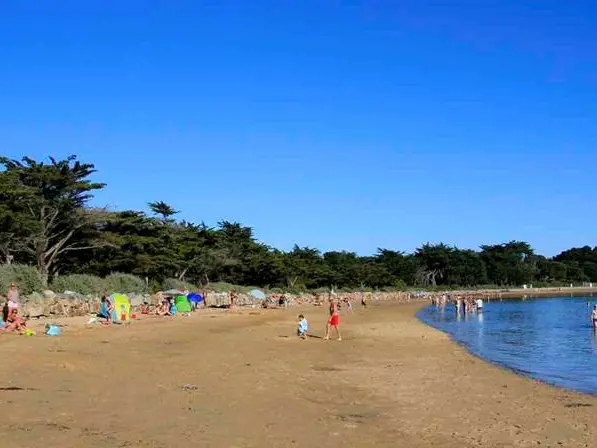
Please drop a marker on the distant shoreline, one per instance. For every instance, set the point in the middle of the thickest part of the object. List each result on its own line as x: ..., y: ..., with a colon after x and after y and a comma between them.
x: 509, y: 293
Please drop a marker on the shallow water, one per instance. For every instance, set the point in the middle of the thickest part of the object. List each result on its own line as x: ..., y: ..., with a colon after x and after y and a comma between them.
x: 550, y: 339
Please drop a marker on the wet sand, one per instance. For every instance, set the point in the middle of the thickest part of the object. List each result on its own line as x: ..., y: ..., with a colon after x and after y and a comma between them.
x: 392, y: 382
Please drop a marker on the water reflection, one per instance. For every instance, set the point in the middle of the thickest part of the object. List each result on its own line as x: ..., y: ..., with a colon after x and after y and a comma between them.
x: 550, y: 339
x: 594, y: 341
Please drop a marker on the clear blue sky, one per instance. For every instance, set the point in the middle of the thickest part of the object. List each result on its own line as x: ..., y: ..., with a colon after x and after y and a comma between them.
x: 334, y: 124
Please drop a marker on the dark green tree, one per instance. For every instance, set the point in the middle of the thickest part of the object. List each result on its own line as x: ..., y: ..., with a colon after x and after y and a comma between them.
x: 509, y: 264
x: 49, y: 203
x: 402, y: 267
x: 162, y: 209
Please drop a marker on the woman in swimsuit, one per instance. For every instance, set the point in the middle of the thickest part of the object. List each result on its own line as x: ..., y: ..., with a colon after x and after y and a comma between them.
x: 14, y: 322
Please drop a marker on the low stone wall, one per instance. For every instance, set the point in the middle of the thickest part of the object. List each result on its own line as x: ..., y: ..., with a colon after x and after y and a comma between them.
x: 57, y: 305
x: 50, y: 304
x: 222, y: 299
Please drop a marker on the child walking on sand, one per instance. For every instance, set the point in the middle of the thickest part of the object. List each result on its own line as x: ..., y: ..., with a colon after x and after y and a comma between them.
x: 303, y: 327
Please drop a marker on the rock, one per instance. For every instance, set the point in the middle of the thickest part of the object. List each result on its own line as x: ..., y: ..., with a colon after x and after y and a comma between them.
x: 49, y: 294
x: 72, y: 306
x: 157, y: 298
x: 35, y: 297
x: 35, y: 310
x: 57, y: 309
x: 136, y: 300
x: 69, y: 296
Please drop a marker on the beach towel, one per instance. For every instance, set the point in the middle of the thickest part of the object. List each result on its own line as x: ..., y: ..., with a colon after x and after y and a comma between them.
x: 53, y: 330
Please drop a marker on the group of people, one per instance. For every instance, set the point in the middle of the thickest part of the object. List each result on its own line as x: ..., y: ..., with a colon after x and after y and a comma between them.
x: 464, y: 304
x: 345, y: 301
x: 333, y: 321
x: 166, y: 307
x: 11, y: 321
x: 277, y: 300
x: 468, y: 304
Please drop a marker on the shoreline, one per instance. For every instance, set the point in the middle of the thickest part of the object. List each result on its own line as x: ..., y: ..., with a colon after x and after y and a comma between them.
x: 501, y: 365
x: 511, y: 293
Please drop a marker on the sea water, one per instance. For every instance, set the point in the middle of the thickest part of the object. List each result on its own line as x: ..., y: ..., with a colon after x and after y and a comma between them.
x: 549, y: 339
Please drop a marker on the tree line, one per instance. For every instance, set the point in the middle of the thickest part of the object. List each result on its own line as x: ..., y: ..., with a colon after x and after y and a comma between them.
x: 46, y: 221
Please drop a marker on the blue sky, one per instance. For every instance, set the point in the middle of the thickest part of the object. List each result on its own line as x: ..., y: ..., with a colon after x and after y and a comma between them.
x: 333, y: 124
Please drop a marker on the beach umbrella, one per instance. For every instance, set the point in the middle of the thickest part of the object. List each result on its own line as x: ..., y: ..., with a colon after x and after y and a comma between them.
x: 195, y: 297
x: 257, y: 294
x: 173, y: 292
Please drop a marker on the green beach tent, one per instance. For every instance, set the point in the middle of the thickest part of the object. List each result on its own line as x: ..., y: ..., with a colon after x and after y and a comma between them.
x: 121, y: 308
x: 182, y: 304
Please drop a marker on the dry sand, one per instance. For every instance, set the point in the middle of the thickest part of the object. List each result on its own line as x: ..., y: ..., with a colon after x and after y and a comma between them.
x: 392, y: 382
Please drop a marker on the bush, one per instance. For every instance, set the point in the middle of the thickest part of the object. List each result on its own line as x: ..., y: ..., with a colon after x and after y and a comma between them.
x: 173, y: 283
x: 154, y: 286
x: 226, y: 287
x: 80, y: 283
x: 26, y: 278
x: 125, y: 284
x: 400, y: 285
x: 297, y: 291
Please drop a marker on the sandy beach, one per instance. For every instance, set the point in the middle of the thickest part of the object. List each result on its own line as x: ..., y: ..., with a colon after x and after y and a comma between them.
x: 242, y: 379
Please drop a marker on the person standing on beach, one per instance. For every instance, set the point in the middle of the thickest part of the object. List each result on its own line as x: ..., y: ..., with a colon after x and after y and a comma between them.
x: 348, y: 304
x: 334, y: 320
x: 13, y: 301
x: 13, y: 296
x: 232, y: 296
x: 105, y: 310
x: 364, y: 299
